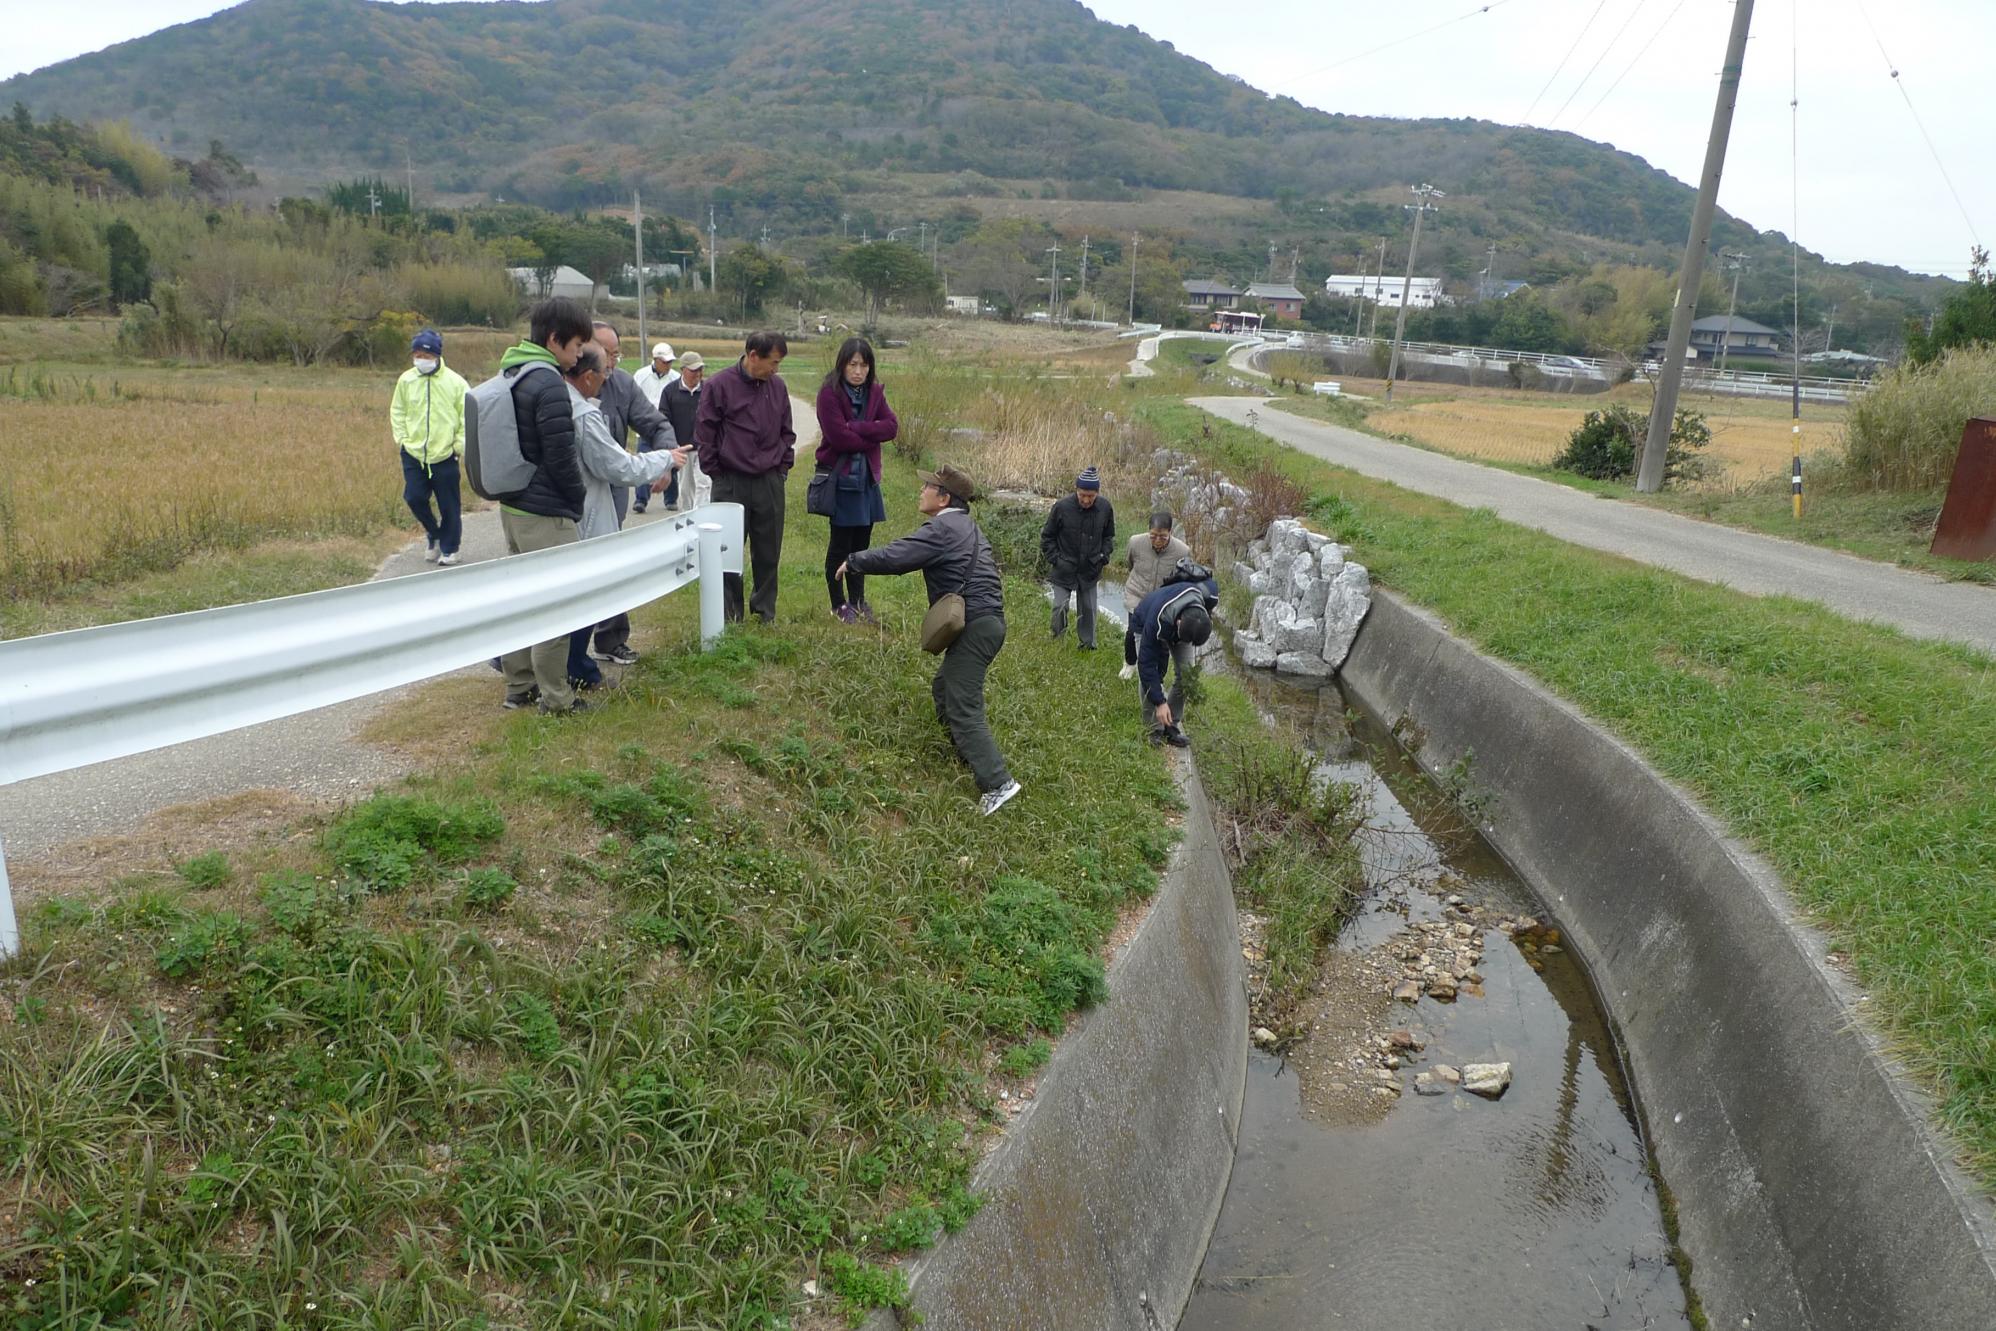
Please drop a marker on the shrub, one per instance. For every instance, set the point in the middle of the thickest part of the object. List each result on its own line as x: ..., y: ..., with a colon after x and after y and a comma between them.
x: 388, y: 841
x: 1902, y: 434
x: 197, y: 941
x: 484, y: 889
x: 206, y: 871
x: 1609, y: 443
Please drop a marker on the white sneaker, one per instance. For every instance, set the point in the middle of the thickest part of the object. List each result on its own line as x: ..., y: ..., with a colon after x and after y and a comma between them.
x: 1127, y: 672
x: 993, y: 800
x: 430, y: 555
x: 448, y: 559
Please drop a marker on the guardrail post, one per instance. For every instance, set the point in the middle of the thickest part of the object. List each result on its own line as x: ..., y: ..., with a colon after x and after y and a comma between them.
x: 712, y: 620
x: 10, y: 935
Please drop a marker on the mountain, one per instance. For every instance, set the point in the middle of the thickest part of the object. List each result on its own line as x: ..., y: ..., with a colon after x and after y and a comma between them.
x: 784, y: 112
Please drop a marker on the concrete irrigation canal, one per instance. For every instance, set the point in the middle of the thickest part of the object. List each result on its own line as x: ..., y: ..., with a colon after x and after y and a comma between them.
x: 1373, y: 1187
x: 1676, y: 1039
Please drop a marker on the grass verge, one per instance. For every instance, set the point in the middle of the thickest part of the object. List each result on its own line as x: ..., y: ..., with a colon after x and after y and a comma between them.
x: 632, y: 1019
x: 1861, y: 763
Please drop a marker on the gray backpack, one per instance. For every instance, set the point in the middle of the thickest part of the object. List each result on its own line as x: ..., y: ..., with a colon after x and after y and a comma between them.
x: 493, y: 462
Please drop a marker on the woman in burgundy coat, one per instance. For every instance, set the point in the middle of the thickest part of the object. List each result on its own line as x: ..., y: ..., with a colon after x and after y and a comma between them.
x: 854, y: 420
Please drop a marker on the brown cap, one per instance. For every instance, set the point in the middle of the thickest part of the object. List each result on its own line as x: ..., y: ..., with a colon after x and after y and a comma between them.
x: 692, y: 360
x: 951, y: 482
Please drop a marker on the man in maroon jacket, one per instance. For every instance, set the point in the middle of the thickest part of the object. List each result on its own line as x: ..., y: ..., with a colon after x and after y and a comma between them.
x: 745, y: 443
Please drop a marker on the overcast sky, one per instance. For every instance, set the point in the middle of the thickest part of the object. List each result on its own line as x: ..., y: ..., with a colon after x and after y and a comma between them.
x: 1639, y: 74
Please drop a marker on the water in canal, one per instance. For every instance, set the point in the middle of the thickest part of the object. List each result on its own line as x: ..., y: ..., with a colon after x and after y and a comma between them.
x: 1357, y: 1202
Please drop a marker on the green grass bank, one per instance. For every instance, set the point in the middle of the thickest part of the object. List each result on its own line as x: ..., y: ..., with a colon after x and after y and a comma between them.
x: 634, y: 1019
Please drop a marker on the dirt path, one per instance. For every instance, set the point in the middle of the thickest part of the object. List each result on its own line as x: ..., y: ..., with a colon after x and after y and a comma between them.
x: 1920, y: 605
x: 315, y: 755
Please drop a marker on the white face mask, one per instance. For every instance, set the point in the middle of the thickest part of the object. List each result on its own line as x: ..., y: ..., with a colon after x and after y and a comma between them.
x: 425, y: 365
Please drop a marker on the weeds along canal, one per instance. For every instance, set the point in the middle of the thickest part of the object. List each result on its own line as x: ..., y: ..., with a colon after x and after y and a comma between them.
x: 1371, y: 1189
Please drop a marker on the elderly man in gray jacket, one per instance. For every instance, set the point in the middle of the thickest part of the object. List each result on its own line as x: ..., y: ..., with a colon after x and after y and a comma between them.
x: 625, y: 408
x: 606, y: 466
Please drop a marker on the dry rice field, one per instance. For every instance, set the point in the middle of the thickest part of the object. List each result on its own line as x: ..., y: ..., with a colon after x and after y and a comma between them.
x: 1750, y: 440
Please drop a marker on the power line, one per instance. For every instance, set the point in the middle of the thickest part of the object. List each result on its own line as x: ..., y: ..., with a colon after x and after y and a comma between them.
x: 1634, y: 61
x: 1387, y: 46
x: 1612, y: 43
x: 1577, y: 39
x: 1900, y: 84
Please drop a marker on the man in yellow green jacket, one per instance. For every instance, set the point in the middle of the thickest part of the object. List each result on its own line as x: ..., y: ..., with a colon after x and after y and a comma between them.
x: 427, y: 418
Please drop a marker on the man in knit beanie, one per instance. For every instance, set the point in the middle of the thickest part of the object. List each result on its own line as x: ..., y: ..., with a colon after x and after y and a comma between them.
x: 1076, y: 543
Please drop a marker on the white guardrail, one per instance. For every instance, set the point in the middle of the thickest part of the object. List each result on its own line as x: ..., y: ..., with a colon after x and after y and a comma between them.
x: 89, y: 695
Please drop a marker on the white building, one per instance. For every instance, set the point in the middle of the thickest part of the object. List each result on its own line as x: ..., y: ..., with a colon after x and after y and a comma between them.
x: 961, y: 304
x: 1423, y: 293
x: 567, y: 282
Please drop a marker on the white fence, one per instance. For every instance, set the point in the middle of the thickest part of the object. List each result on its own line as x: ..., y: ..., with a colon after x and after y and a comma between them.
x: 71, y: 699
x: 1744, y: 383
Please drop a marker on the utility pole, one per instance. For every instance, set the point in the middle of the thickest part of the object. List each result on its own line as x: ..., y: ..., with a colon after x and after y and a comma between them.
x: 1053, y: 287
x: 373, y: 202
x: 1134, y: 238
x: 409, y: 171
x: 765, y: 236
x: 1736, y: 261
x: 1378, y: 291
x: 638, y: 236
x: 1489, y: 267
x: 1663, y: 412
x: 1420, y: 208
x: 1082, y: 294
x: 713, y: 248
x: 1830, y: 331
x: 1295, y: 256
x: 924, y: 235
x: 844, y: 219
x: 685, y: 258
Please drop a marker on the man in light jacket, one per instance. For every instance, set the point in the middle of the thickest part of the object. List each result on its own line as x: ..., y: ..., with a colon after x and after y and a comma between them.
x: 426, y: 416
x: 624, y: 409
x: 1151, y: 557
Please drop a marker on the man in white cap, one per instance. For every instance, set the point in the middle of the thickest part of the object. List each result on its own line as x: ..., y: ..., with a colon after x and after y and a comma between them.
x: 651, y: 382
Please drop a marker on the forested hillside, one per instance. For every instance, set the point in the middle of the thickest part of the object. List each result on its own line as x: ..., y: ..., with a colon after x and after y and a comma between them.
x: 798, y: 115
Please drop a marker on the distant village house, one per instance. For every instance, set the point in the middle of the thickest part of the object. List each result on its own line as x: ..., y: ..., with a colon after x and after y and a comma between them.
x: 1423, y: 293
x: 1280, y: 299
x: 567, y: 282
x: 1203, y: 295
x: 1745, y: 339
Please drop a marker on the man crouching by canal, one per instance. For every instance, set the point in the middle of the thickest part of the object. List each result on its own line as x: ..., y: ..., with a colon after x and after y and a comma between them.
x: 955, y: 559
x: 1170, y: 624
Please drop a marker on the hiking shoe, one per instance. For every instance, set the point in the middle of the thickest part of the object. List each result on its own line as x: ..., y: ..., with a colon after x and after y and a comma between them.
x: 430, y: 555
x: 579, y: 705
x: 1176, y: 738
x: 516, y: 701
x: 615, y: 655
x: 845, y: 614
x: 865, y: 612
x: 1127, y: 672
x: 993, y: 800
x: 452, y: 558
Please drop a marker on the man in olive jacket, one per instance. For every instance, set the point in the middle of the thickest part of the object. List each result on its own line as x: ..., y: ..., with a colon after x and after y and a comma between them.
x: 1077, y: 542
x: 543, y: 513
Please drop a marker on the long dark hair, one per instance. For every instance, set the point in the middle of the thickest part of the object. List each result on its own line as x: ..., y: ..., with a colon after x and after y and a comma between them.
x: 852, y: 346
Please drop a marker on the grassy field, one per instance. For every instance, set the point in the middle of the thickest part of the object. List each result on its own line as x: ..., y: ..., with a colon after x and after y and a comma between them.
x: 636, y: 1019
x: 1860, y: 763
x: 133, y: 489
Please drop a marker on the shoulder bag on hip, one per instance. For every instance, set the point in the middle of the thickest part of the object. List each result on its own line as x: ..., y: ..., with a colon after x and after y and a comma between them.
x: 943, y: 624
x: 818, y: 501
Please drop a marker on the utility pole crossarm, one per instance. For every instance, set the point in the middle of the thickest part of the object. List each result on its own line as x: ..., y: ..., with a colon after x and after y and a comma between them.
x: 1421, y: 206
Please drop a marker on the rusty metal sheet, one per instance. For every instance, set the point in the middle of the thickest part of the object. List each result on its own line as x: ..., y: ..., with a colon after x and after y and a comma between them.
x: 1967, y: 529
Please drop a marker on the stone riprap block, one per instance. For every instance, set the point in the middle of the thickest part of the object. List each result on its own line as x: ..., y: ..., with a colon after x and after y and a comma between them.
x: 1310, y: 600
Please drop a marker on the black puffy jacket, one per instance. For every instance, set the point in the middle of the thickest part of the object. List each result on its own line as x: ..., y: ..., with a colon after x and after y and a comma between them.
x: 547, y: 439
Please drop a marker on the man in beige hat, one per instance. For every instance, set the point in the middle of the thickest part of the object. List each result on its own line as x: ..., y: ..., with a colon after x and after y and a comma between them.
x: 650, y: 383
x: 680, y: 401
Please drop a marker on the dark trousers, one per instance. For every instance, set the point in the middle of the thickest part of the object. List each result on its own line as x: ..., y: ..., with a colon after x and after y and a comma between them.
x: 761, y: 498
x: 1177, y: 667
x: 446, y: 527
x: 613, y: 633
x: 582, y: 670
x: 1084, y: 603
x: 1130, y: 644
x: 959, y: 694
x: 846, y: 541
x: 641, y: 499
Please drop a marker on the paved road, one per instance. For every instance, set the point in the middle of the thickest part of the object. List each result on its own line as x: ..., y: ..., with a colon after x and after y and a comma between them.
x: 1923, y: 606
x: 314, y: 754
